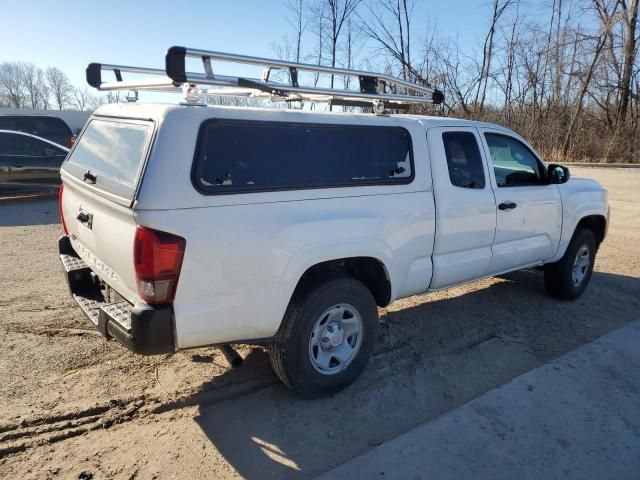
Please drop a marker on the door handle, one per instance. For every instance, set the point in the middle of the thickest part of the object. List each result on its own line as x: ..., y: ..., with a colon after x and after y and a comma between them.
x: 85, y: 218
x: 507, y: 206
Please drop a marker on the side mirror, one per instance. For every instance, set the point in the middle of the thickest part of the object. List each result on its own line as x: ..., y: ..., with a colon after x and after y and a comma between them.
x: 557, y: 174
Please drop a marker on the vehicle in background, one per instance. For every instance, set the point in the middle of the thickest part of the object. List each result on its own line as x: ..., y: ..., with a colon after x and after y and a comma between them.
x: 51, y: 128
x: 29, y: 160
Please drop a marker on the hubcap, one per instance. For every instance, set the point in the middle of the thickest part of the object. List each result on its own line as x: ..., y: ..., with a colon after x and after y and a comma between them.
x: 580, y: 265
x: 335, y: 339
x: 331, y: 336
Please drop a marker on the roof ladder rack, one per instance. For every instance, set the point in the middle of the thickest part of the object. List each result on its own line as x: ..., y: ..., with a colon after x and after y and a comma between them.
x: 376, y: 90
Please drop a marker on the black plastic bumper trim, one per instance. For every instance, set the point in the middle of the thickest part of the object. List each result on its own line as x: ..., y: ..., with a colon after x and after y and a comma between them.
x: 146, y: 330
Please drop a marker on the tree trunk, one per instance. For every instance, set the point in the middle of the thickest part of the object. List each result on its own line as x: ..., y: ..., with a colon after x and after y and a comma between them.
x: 630, y: 20
x: 583, y: 92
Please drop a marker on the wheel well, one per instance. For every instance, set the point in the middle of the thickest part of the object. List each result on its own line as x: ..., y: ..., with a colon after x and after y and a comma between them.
x: 597, y: 224
x: 370, y: 271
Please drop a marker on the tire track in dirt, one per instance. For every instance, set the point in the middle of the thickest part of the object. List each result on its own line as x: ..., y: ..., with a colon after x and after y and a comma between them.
x: 50, y: 429
x: 52, y: 331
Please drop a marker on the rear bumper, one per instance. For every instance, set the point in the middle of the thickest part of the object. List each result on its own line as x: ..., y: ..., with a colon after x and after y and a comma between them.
x: 141, y: 328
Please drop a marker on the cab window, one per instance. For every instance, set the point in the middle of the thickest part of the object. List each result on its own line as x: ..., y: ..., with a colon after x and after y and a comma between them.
x: 514, y: 164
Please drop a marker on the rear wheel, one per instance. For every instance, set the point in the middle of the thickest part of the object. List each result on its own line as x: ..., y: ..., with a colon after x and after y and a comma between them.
x: 326, y: 337
x: 569, y: 277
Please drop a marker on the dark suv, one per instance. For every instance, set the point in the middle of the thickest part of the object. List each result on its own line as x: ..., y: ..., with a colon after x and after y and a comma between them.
x: 50, y: 128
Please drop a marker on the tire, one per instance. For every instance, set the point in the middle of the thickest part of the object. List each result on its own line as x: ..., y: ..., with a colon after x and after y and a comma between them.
x: 333, y: 317
x: 568, y: 278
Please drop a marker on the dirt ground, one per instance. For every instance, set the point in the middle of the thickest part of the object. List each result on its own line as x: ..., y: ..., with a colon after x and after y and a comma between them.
x: 71, y: 402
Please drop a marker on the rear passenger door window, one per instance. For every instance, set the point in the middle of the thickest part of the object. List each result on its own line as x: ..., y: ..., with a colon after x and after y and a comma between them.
x: 463, y: 159
x: 246, y: 156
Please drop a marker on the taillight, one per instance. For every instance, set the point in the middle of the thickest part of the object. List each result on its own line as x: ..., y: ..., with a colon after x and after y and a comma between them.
x: 64, y: 224
x: 157, y: 259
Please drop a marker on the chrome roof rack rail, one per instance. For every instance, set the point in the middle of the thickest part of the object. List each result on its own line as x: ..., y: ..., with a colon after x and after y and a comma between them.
x: 376, y: 90
x: 94, y: 78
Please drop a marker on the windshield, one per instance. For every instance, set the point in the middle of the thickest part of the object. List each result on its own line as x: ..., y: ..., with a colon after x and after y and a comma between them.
x: 110, y: 154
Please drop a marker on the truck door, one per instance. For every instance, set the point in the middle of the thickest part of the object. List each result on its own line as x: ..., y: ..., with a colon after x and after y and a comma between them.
x: 529, y: 213
x: 465, y: 206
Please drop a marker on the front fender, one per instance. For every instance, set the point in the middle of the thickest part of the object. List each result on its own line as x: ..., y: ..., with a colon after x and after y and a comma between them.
x: 581, y: 198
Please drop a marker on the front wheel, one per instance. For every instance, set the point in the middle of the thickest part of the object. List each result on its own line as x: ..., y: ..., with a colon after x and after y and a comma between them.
x: 569, y: 277
x: 327, y: 336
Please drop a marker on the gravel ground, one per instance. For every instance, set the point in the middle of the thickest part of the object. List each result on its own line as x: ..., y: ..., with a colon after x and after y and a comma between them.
x: 73, y: 403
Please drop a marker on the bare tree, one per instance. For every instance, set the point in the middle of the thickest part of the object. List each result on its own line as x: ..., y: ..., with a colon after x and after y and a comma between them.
x: 35, y: 85
x: 12, y: 85
x: 284, y: 49
x: 630, y: 17
x: 82, y: 99
x: 558, y: 51
x: 291, y: 48
x: 606, y: 13
x: 583, y: 91
x: 388, y: 24
x: 318, y: 14
x: 506, y: 76
x: 499, y: 7
x: 629, y: 14
x: 459, y: 87
x: 348, y: 53
x: 339, y: 11
x: 59, y: 86
x: 298, y: 21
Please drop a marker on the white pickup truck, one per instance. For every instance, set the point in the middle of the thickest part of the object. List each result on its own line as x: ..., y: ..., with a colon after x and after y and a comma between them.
x: 188, y: 226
